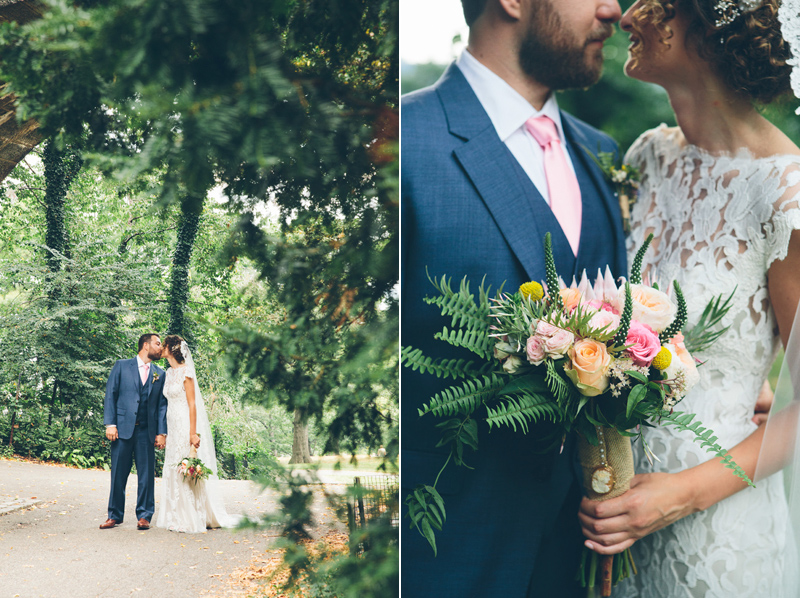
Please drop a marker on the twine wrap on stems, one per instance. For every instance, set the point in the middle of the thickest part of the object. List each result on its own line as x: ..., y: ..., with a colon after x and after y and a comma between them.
x: 192, y: 451
x: 608, y: 467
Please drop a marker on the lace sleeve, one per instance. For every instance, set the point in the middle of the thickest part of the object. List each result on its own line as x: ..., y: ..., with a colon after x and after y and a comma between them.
x: 187, y: 371
x: 785, y: 217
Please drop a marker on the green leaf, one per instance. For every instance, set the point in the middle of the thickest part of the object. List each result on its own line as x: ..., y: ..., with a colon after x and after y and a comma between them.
x: 637, y: 394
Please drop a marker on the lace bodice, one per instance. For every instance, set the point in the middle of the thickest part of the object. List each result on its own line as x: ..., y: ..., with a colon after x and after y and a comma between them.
x: 177, y: 414
x: 719, y: 223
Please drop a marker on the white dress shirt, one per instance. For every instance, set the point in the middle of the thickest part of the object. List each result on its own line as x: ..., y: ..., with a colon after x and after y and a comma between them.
x: 509, y: 111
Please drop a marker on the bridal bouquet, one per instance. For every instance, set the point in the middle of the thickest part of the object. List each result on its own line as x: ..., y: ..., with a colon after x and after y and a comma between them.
x: 598, y: 360
x: 193, y: 469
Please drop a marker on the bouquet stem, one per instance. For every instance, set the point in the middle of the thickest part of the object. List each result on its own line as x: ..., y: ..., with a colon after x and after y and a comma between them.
x: 607, y: 473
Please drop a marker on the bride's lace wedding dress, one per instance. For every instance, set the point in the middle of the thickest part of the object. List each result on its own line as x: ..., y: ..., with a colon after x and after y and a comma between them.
x: 185, y: 506
x: 719, y: 223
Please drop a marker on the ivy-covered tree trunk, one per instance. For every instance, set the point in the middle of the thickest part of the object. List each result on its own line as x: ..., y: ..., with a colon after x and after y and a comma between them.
x: 60, y: 169
x: 191, y: 209
x: 301, y: 451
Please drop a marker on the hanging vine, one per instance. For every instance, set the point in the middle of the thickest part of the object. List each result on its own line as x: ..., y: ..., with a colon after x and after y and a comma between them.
x: 60, y: 169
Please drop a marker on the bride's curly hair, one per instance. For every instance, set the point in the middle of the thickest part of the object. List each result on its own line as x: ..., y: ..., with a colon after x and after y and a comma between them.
x: 173, y: 343
x: 749, y: 53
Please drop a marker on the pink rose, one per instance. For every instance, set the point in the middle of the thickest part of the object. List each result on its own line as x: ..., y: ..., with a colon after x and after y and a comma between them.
x: 588, y: 367
x: 645, y: 343
x: 535, y: 349
x: 603, y: 319
x: 545, y: 328
x: 559, y: 343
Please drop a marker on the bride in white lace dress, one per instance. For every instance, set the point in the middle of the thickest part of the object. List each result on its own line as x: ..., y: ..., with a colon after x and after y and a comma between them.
x: 721, y: 194
x: 186, y: 506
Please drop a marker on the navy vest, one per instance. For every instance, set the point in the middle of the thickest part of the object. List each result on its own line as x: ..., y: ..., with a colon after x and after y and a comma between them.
x: 144, y: 393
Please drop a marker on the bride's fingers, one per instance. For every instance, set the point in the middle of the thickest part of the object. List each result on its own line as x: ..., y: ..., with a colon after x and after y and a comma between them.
x: 602, y: 527
x: 607, y: 550
x: 604, y: 509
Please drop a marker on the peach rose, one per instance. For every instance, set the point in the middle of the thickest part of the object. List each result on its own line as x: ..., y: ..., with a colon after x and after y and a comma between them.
x: 535, y: 348
x: 589, y: 361
x: 650, y: 306
x: 571, y: 298
x: 557, y: 345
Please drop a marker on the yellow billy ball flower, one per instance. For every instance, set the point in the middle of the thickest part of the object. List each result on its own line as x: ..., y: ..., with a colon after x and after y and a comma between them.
x: 532, y: 290
x: 663, y: 359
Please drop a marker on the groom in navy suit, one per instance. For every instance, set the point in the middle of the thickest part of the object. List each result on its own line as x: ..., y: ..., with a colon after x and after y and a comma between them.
x: 477, y: 201
x: 135, y: 417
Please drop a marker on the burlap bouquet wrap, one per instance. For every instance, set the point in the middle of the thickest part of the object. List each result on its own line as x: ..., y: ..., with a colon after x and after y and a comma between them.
x: 608, y: 467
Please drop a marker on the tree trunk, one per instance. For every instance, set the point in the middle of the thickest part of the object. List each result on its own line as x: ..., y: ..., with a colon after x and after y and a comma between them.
x: 301, y: 452
x: 60, y: 169
x: 191, y: 209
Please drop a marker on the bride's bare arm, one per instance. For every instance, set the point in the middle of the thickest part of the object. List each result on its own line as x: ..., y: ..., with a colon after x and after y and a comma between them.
x: 194, y: 439
x: 656, y: 500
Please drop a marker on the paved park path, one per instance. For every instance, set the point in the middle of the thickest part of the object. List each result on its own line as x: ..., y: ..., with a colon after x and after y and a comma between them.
x: 51, y: 545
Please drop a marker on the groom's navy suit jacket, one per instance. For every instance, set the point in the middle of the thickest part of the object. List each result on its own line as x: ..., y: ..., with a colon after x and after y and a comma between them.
x: 468, y: 209
x: 125, y: 392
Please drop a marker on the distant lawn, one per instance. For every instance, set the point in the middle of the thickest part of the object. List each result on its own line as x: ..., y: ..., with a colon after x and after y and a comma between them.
x: 342, y: 462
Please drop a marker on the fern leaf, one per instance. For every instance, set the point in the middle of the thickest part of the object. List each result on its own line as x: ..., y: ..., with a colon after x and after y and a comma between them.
x: 684, y: 421
x: 473, y: 340
x: 521, y: 410
x: 441, y: 368
x: 464, y: 398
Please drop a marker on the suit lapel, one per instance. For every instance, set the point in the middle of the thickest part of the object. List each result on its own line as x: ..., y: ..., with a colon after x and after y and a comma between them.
x: 590, y: 177
x: 137, y: 379
x: 518, y: 209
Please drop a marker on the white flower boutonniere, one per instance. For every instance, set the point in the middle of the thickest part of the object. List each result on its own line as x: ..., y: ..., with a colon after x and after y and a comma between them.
x: 625, y: 180
x: 155, y: 377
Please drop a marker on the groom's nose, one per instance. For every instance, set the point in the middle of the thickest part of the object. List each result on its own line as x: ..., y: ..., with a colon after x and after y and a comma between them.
x: 608, y: 11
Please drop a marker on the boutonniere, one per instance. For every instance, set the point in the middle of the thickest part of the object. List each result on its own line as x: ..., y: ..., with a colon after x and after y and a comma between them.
x: 155, y: 377
x: 624, y: 178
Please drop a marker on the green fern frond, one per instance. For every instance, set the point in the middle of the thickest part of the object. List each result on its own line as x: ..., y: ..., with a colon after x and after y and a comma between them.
x: 465, y: 398
x: 560, y: 388
x: 522, y: 409
x: 473, y: 340
x: 706, y: 439
x: 441, y: 368
x: 461, y: 305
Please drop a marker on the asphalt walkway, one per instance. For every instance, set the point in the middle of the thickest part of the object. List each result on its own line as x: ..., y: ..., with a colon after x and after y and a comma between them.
x: 51, y: 545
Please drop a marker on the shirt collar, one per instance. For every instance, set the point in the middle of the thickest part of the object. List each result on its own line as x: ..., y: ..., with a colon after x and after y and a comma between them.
x: 506, y: 108
x: 139, y: 362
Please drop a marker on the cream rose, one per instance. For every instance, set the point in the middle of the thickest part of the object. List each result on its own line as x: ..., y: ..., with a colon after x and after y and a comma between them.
x: 603, y: 319
x: 503, y: 350
x: 650, y: 306
x: 512, y: 364
x: 559, y: 343
x: 589, y: 362
x: 682, y: 361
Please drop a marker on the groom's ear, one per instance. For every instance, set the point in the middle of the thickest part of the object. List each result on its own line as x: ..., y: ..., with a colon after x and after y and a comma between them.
x: 512, y: 8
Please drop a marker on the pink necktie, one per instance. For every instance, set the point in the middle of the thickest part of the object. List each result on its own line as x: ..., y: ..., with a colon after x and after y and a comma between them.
x: 145, y: 369
x: 565, y: 193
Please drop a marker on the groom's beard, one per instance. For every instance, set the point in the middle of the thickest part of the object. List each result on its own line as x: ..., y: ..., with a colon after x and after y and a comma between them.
x: 554, y: 57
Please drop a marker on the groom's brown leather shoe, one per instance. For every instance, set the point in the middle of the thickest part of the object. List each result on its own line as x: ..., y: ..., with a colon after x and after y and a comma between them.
x: 109, y: 523
x: 143, y: 524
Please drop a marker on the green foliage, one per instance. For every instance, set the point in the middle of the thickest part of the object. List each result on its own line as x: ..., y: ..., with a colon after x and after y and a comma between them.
x: 704, y: 437
x: 181, y: 261
x: 625, y: 319
x: 524, y: 408
x: 442, y: 368
x: 700, y: 336
x: 426, y: 510
x: 680, y: 318
x: 636, y: 266
x: 555, y: 302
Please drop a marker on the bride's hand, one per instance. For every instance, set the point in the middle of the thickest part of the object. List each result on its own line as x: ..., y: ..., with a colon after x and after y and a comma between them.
x: 655, y: 500
x: 194, y: 440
